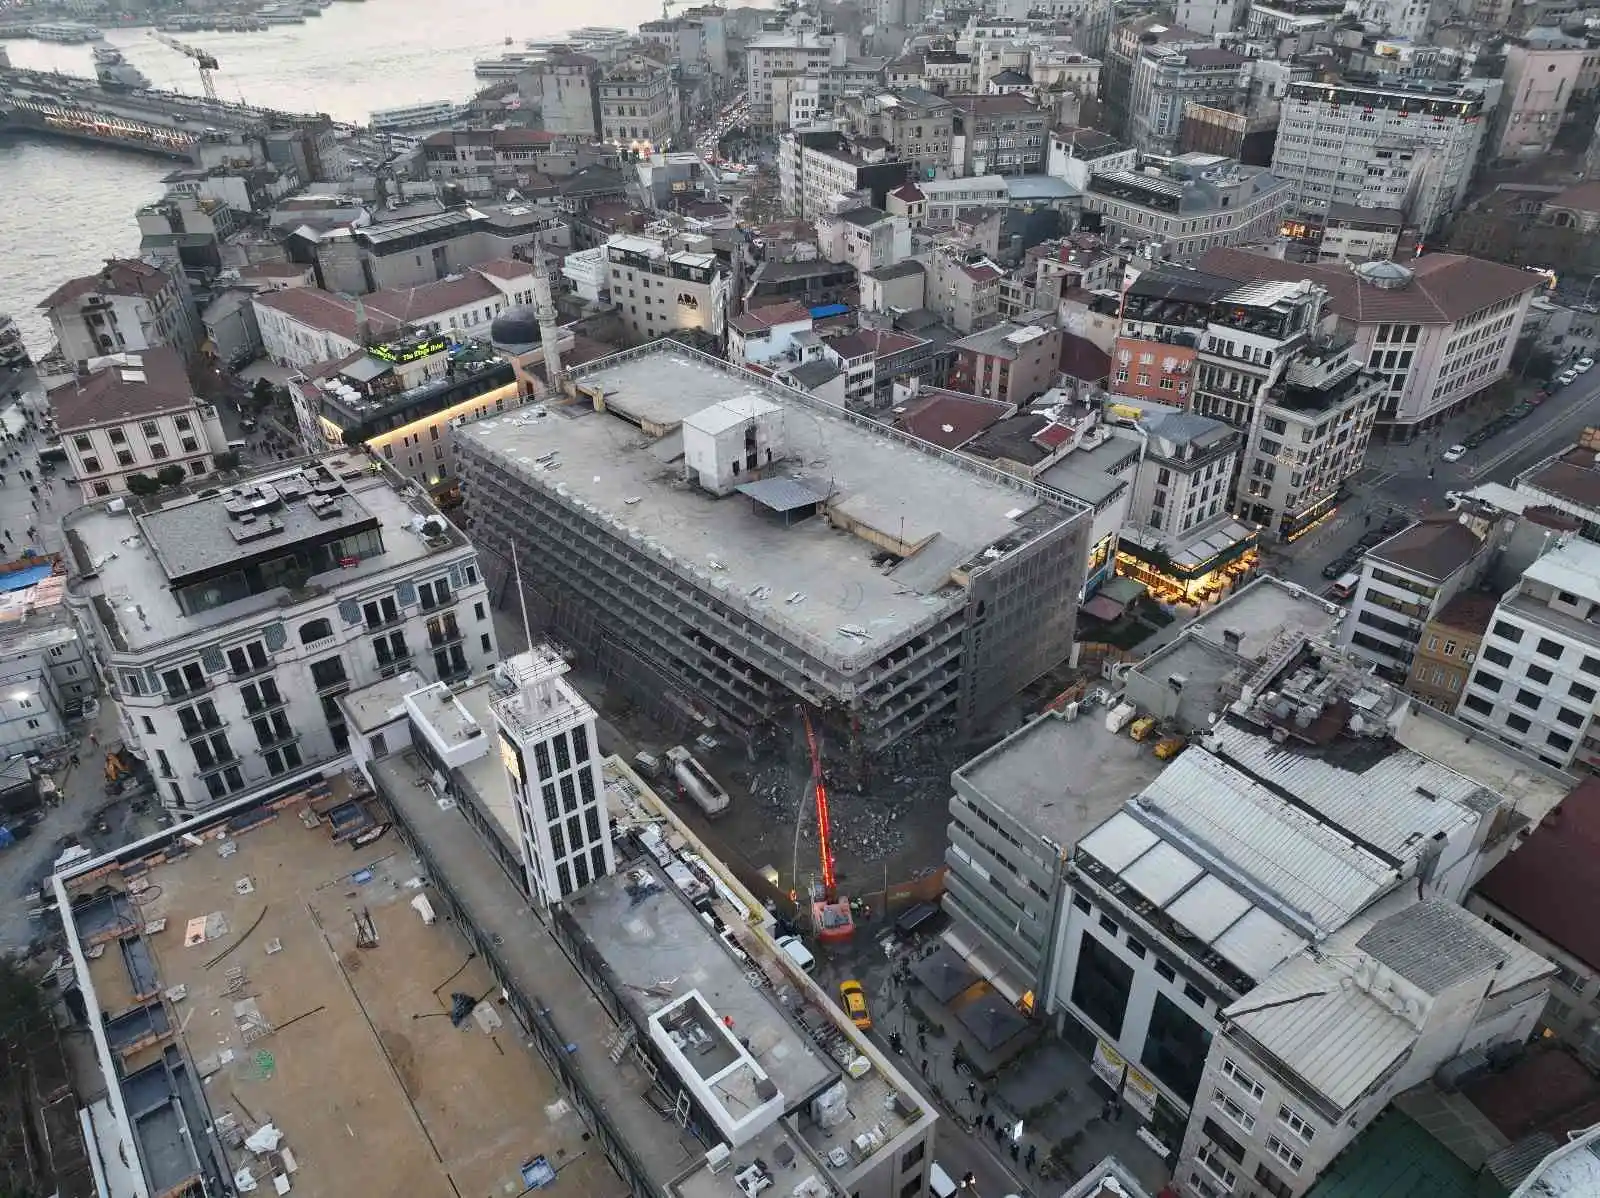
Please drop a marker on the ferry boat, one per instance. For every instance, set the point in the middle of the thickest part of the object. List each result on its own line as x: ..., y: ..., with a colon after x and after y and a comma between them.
x: 505, y: 65
x: 67, y: 32
x: 13, y: 353
x: 433, y: 114
x: 115, y: 72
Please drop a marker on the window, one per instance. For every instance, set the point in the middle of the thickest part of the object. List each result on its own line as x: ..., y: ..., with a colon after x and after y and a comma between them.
x: 1557, y: 741
x: 1136, y: 948
x: 1081, y: 903
x: 434, y: 594
x: 1517, y: 723
x: 1499, y: 656
x: 477, y: 611
x: 380, y: 612
x: 1109, y: 926
x: 1507, y: 632
x: 1591, y: 665
x: 1529, y: 699
x: 91, y: 465
x: 149, y: 429
x: 329, y: 672
x: 1539, y: 674
x: 1163, y: 970
x: 1570, y: 718
x: 1236, y: 1113
x: 1285, y: 1154
x: 1489, y: 682
x: 1549, y: 648
x: 247, y: 659
x: 1297, y: 1123
x: 1175, y: 1048
x: 1584, y: 694
x: 1102, y: 985
x: 1236, y: 1075
x: 1272, y: 1183
x: 149, y: 724
x: 315, y: 630
x: 1214, y: 1164
x: 1478, y: 704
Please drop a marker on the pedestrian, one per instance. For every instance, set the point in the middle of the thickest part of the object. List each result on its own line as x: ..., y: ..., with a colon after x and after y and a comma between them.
x: 983, y: 1100
x: 972, y: 1090
x: 94, y: 737
x: 924, y: 1066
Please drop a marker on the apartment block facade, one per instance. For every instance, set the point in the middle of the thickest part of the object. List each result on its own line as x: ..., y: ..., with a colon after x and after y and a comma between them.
x: 229, y: 638
x: 1411, y: 146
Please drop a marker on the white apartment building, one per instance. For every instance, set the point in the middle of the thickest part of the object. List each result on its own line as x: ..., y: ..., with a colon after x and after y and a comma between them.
x: 1166, y: 77
x: 638, y: 104
x: 1305, y: 1061
x: 947, y: 198
x: 1183, y: 479
x: 1228, y: 929
x: 135, y: 413
x: 663, y: 282
x: 1437, y: 330
x: 867, y: 238
x: 1407, y: 580
x: 1398, y: 144
x: 552, y: 761
x: 1536, y: 682
x: 773, y: 59
x: 1197, y: 202
x: 229, y: 621
x: 129, y: 306
x: 45, y: 672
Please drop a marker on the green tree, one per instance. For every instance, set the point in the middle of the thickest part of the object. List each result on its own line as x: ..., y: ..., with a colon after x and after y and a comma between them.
x: 142, y: 484
x: 171, y: 476
x: 226, y: 461
x: 264, y: 393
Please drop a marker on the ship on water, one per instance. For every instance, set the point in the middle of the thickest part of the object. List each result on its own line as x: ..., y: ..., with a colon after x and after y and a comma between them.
x: 14, y: 356
x: 116, y: 72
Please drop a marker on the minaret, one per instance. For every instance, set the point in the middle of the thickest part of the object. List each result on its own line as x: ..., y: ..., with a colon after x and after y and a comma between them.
x: 545, y: 306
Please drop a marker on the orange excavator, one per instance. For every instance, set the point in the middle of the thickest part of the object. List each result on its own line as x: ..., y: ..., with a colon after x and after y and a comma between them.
x: 831, y: 919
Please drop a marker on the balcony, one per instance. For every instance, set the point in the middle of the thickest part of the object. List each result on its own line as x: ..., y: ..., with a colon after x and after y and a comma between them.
x: 250, y: 670
x: 276, y: 741
x: 388, y: 667
x: 445, y: 637
x: 265, y: 705
x: 333, y: 685
x: 386, y: 622
x: 193, y: 732
x: 217, y: 764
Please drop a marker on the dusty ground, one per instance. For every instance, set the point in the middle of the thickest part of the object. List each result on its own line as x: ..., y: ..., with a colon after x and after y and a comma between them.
x: 374, y: 1089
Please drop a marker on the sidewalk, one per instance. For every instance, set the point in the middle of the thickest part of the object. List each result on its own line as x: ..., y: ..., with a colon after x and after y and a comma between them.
x: 1047, y: 1086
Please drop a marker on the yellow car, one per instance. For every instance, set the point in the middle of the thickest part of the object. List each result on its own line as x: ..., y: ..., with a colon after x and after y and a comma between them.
x: 855, y: 1004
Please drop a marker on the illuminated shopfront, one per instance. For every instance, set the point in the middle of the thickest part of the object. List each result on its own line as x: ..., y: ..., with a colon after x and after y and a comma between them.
x: 1202, y: 571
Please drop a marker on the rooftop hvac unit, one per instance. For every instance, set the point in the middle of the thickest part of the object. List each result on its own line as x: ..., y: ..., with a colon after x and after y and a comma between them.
x: 718, y: 1158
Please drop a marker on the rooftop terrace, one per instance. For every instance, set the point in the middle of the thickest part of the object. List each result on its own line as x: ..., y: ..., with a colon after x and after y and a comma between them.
x: 131, y: 560
x: 623, y: 467
x: 253, y: 970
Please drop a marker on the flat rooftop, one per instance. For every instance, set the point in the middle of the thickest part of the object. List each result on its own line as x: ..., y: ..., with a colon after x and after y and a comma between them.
x: 1062, y: 777
x: 949, y: 509
x: 129, y: 558
x: 326, y: 1017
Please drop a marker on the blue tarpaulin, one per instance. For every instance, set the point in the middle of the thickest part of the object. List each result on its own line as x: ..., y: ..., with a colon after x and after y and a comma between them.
x: 829, y: 310
x: 18, y: 579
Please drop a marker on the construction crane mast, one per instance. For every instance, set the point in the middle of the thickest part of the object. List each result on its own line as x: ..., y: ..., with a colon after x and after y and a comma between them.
x: 206, y: 61
x: 831, y: 919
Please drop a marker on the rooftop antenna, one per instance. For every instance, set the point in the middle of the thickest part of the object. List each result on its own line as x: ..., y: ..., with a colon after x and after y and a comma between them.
x: 522, y: 597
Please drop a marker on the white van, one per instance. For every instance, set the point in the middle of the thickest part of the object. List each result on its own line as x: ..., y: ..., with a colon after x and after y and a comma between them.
x: 238, y: 446
x: 939, y: 1183
x: 1345, y: 588
x: 796, y: 950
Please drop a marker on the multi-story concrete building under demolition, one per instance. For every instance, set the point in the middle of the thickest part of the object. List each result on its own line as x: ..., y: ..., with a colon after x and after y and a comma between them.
x: 729, y: 548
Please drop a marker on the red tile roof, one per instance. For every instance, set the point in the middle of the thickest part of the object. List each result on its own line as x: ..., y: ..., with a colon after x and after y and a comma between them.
x: 909, y: 192
x: 1083, y: 360
x: 759, y: 320
x: 1550, y: 883
x: 315, y: 307
x: 983, y: 273
x: 1573, y: 477
x: 949, y: 418
x: 411, y: 304
x: 119, y: 276
x: 1053, y: 436
x: 154, y: 380
x: 505, y: 268
x: 1446, y: 287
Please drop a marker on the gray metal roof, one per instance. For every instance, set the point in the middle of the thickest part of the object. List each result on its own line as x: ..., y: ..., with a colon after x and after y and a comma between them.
x: 1433, y: 945
x: 782, y: 494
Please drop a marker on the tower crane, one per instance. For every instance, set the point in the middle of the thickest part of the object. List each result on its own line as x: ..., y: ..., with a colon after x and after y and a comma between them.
x: 204, y: 59
x: 831, y: 919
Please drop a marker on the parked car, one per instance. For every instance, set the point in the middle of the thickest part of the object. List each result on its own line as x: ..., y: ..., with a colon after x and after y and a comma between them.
x: 1455, y: 453
x: 855, y: 1004
x: 1583, y: 365
x: 1567, y: 376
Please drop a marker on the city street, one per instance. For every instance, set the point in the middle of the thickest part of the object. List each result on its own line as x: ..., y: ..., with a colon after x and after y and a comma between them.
x: 1394, y: 478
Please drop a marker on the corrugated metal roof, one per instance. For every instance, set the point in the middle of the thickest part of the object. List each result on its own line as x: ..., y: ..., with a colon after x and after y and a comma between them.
x: 1312, y: 870
x: 1383, y: 803
x: 1433, y: 945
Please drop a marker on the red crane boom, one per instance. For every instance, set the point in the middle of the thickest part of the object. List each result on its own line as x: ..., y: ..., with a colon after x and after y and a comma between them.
x: 831, y: 917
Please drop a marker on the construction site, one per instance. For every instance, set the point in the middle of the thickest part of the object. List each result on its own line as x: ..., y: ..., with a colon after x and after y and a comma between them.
x: 274, y: 1003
